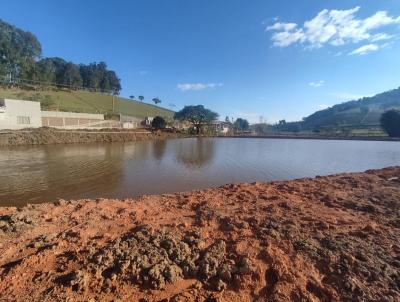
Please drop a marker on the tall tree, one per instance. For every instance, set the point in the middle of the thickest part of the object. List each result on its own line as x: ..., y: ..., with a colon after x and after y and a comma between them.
x: 197, y: 115
x: 19, y: 60
x: 72, y: 76
x: 18, y: 52
x: 97, y: 77
x: 46, y: 71
x: 59, y: 66
x: 241, y: 124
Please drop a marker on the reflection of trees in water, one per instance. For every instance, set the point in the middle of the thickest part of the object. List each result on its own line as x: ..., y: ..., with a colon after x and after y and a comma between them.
x: 67, y: 171
x: 159, y: 147
x: 197, y: 153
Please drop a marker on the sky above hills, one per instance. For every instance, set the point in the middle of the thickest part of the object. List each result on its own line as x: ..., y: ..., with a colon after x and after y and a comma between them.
x: 261, y: 60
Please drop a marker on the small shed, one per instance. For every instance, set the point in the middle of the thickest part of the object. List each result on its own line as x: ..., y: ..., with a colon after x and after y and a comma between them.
x: 130, y: 122
x: 147, y: 121
x: 18, y: 114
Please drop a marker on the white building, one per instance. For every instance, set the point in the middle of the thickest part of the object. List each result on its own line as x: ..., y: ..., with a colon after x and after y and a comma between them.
x: 17, y: 114
x: 129, y: 122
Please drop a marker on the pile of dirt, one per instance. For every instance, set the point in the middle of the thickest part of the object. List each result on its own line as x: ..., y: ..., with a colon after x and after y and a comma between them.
x: 153, y: 258
x: 333, y: 238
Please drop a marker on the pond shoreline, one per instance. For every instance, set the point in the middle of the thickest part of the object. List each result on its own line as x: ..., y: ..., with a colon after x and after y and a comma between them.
x: 279, y: 241
x: 51, y: 136
x: 317, y: 137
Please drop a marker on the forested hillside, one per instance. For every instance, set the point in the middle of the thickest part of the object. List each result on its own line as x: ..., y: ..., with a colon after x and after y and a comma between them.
x: 365, y: 111
x: 21, y: 63
x: 61, y: 85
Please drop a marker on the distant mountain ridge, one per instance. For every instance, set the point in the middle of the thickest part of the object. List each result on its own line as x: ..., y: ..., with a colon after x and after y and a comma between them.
x: 363, y: 112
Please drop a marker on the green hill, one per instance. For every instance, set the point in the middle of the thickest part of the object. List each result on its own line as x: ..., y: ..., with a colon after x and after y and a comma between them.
x: 363, y: 112
x: 84, y: 101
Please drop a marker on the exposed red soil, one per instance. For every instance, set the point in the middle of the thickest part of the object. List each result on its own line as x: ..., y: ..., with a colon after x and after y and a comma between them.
x: 333, y: 238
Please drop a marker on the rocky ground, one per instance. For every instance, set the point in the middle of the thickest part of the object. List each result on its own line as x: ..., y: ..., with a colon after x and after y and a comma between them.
x: 332, y: 238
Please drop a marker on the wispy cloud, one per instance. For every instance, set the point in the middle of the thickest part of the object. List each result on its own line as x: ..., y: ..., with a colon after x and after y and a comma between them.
x: 323, y: 106
x: 198, y: 86
x: 363, y: 50
x: 333, y: 27
x: 317, y: 84
x: 143, y: 72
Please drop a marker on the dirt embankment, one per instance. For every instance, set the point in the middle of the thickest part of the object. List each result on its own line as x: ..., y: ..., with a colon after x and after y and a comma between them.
x: 332, y: 238
x: 49, y: 136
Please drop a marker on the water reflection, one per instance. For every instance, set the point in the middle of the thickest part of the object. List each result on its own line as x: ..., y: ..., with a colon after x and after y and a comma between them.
x: 159, y: 147
x: 46, y: 173
x: 31, y: 174
x: 197, y: 154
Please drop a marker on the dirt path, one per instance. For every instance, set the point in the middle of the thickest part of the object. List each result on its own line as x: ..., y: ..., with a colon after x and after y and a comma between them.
x: 332, y: 238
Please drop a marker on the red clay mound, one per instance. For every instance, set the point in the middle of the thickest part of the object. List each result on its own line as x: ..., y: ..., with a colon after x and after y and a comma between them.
x: 332, y: 238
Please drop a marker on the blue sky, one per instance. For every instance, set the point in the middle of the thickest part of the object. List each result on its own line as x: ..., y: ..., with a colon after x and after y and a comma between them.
x: 275, y: 59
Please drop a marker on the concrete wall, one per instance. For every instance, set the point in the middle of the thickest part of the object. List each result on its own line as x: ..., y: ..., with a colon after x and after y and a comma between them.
x: 18, y: 114
x: 72, y: 120
x: 130, y: 122
x: 62, y: 114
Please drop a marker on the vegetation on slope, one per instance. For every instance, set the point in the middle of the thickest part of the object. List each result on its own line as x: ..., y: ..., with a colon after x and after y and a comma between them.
x: 365, y: 111
x: 360, y: 117
x: 85, y: 101
x: 61, y: 85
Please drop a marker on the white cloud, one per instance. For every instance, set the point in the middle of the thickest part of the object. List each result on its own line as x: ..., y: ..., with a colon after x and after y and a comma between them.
x: 282, y: 26
x: 143, y: 72
x: 333, y: 27
x: 381, y: 37
x: 363, y: 50
x: 317, y: 84
x: 197, y: 86
x: 323, y: 106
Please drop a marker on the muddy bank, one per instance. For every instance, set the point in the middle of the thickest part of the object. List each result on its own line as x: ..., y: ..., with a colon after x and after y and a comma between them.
x: 333, y: 238
x: 49, y: 136
x: 318, y: 137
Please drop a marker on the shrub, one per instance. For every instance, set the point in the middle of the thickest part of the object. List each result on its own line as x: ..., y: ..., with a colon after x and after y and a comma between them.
x: 390, y: 122
x: 158, y: 123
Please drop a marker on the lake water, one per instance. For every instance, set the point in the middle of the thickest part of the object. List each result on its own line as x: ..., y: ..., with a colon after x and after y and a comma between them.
x: 47, y: 173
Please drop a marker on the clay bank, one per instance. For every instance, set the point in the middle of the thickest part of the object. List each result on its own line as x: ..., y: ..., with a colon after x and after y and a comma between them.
x: 333, y: 238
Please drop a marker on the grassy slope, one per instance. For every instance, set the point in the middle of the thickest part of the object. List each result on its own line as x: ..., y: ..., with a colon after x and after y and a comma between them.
x: 353, y: 113
x: 87, y: 102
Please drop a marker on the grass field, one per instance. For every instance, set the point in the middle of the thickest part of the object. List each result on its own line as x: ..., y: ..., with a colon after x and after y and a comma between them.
x: 87, y: 102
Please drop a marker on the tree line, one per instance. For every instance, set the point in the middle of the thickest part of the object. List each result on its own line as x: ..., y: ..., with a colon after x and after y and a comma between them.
x: 20, y: 61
